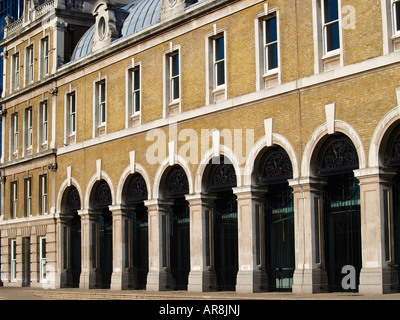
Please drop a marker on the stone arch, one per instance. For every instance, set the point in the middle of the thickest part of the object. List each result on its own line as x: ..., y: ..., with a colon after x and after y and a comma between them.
x: 124, y: 177
x: 225, y: 151
x: 256, y: 151
x: 64, y: 187
x: 380, y: 136
x: 160, y: 174
x: 317, y: 139
x: 92, y: 183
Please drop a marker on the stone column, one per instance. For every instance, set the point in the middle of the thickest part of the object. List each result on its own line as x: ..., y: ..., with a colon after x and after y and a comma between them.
x: 63, y: 276
x: 122, y: 277
x: 202, y: 276
x: 375, y: 193
x: 158, y: 277
x: 90, y: 273
x: 308, y: 277
x: 250, y: 277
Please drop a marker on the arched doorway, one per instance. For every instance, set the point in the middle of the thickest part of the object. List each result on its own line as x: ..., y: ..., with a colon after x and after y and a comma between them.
x: 136, y: 246
x: 71, y: 237
x: 278, y: 259
x: 391, y: 220
x: 337, y: 158
x: 100, y: 201
x: 176, y: 228
x: 220, y: 179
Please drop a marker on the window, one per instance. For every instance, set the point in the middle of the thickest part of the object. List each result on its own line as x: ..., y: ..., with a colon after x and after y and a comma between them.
x: 172, y: 82
x: 101, y: 108
x: 270, y: 44
x: 267, y: 49
x: 43, y: 194
x: 44, y: 130
x: 42, y: 261
x: 13, y: 260
x: 14, y: 199
x: 15, y: 71
x: 330, y: 25
x: 15, y: 135
x: 327, y: 28
x: 28, y: 194
x: 45, y: 56
x: 174, y: 77
x: 219, y: 61
x: 29, y: 64
x: 134, y: 96
x: 216, y: 70
x: 135, y: 90
x: 396, y: 16
x: 29, y: 129
x: 70, y: 118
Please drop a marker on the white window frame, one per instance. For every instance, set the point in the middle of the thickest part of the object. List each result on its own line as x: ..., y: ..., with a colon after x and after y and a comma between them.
x: 15, y: 71
x: 29, y: 129
x: 43, y: 193
x: 14, y: 199
x: 15, y: 134
x: 325, y: 61
x: 28, y: 197
x: 45, y: 55
x: 215, y: 93
x: 30, y: 64
x: 136, y: 91
x: 325, y: 26
x: 220, y: 62
x: 266, y: 78
x: 133, y: 95
x: 13, y: 260
x: 395, y: 18
x: 174, y: 79
x: 268, y: 45
x: 44, y: 124
x: 100, y: 108
x: 70, y: 117
x: 42, y: 259
x: 172, y: 105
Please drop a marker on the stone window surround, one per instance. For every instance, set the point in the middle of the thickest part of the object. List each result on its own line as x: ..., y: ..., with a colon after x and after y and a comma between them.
x: 273, y: 77
x: 133, y: 118
x: 325, y: 61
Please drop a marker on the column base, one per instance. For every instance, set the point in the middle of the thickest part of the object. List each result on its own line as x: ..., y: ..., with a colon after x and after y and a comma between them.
x: 378, y: 280
x: 202, y: 281
x: 89, y: 280
x: 157, y: 281
x: 122, y: 280
x: 251, y: 281
x: 308, y: 281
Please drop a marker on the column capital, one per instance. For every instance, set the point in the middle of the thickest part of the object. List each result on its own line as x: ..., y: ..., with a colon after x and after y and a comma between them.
x: 375, y: 174
x: 200, y: 198
x: 313, y: 184
x: 254, y: 192
x: 158, y: 204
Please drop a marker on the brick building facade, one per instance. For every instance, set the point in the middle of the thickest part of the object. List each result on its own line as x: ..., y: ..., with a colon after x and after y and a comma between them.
x: 202, y: 145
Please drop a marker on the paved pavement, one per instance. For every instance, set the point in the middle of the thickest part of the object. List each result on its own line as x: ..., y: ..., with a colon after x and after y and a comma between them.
x: 26, y: 293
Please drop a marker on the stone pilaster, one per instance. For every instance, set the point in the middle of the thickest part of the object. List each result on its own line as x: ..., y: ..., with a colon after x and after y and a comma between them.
x: 309, y: 276
x: 63, y: 275
x: 376, y: 275
x: 202, y: 276
x: 250, y: 276
x: 122, y: 277
x: 158, y: 278
x: 90, y: 274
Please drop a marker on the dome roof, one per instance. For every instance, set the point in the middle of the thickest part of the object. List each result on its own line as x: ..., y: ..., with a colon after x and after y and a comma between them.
x: 141, y: 14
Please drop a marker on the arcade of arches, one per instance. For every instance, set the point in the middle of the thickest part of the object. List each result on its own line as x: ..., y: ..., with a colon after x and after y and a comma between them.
x: 244, y: 238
